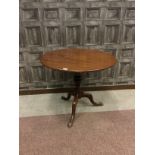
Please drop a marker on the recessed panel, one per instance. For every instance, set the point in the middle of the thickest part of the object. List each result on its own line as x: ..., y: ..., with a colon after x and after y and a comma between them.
x: 92, y: 34
x: 125, y: 69
x: 30, y: 14
x: 112, y: 34
x: 127, y: 53
x: 34, y: 56
x: 53, y: 35
x: 21, y: 56
x: 130, y: 13
x: 73, y: 35
x: 37, y: 73
x: 22, y: 41
x: 22, y: 75
x: 51, y: 13
x: 34, y: 36
x: 72, y: 14
x: 113, y: 13
x: 129, y: 33
x: 93, y: 13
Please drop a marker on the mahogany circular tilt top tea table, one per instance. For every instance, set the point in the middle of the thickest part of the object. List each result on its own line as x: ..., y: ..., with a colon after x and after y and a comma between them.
x: 78, y: 61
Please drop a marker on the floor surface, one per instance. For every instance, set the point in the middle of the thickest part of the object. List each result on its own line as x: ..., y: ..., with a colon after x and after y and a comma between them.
x: 97, y: 133
x: 52, y: 104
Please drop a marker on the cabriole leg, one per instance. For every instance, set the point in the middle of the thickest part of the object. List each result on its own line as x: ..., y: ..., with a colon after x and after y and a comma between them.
x: 72, y: 117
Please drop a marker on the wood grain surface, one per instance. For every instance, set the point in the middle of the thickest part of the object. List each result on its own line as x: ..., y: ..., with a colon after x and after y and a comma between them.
x: 78, y: 60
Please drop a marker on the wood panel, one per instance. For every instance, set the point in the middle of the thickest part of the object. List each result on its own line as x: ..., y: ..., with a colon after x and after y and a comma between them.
x: 112, y: 33
x: 73, y: 35
x: 51, y: 13
x: 54, y: 24
x: 22, y: 75
x: 113, y: 13
x: 129, y: 33
x: 33, y: 35
x: 30, y: 14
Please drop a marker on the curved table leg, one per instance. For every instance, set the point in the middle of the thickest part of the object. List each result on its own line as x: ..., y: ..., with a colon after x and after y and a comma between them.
x: 90, y: 97
x: 71, y: 120
x: 66, y: 98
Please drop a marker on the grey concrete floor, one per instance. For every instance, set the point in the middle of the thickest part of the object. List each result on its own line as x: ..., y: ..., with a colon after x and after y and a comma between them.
x: 52, y: 104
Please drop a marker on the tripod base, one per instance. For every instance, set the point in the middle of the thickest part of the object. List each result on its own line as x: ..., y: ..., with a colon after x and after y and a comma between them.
x: 77, y: 94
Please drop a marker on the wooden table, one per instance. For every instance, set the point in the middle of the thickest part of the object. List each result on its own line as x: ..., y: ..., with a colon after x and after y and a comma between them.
x: 78, y: 61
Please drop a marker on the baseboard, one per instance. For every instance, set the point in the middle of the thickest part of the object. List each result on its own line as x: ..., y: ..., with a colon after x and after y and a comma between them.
x: 64, y: 90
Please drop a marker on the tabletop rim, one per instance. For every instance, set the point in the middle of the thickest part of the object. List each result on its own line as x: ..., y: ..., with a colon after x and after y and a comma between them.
x: 77, y: 71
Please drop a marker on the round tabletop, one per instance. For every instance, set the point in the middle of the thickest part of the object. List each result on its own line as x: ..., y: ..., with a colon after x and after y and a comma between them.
x: 78, y: 60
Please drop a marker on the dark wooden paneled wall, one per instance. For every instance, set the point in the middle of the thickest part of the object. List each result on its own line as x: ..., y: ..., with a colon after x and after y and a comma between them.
x: 53, y: 24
